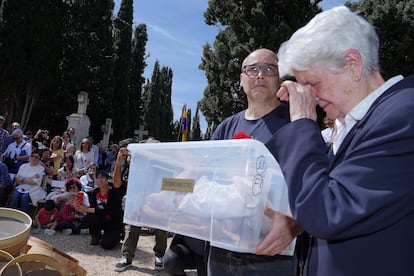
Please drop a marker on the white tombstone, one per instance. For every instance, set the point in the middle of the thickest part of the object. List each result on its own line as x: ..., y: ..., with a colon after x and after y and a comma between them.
x: 80, y: 121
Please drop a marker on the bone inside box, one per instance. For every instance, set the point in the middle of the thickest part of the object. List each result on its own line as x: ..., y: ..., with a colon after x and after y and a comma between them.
x: 210, y: 190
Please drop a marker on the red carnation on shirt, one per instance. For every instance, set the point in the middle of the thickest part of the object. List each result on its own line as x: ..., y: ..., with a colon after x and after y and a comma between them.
x: 241, y: 135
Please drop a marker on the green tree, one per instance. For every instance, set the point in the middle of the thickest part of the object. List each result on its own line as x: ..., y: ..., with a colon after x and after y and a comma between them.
x: 49, y: 52
x: 29, y: 57
x: 87, y: 63
x: 157, y: 108
x: 152, y: 102
x: 394, y: 23
x: 122, y: 72
x: 165, y: 109
x: 245, y: 26
x: 137, y: 80
x: 101, y: 66
x: 195, y: 127
x: 176, y: 131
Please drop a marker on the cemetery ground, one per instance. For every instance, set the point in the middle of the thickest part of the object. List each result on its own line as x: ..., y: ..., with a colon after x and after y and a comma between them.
x: 100, y: 262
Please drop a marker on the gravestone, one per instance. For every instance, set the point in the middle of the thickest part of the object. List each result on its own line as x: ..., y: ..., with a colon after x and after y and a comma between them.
x: 80, y: 121
x: 107, y: 130
x: 139, y: 133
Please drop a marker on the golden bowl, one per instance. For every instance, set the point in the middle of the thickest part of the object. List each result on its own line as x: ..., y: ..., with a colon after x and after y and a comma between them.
x: 15, y: 228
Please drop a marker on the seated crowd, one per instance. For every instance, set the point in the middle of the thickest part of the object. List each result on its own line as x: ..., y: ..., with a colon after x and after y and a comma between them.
x: 86, y: 201
x: 63, y: 189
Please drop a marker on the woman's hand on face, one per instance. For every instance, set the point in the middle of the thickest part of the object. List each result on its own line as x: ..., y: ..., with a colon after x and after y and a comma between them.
x: 302, y: 100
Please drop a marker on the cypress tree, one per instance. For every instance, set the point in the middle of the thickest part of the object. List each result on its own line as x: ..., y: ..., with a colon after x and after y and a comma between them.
x: 87, y: 63
x: 394, y: 23
x: 152, y: 102
x: 158, y: 113
x: 122, y: 72
x: 195, y: 128
x: 165, y: 109
x: 137, y: 80
x: 29, y: 57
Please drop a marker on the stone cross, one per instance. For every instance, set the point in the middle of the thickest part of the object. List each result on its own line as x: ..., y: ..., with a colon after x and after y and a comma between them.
x: 107, y: 130
x: 83, y: 102
x: 140, y: 133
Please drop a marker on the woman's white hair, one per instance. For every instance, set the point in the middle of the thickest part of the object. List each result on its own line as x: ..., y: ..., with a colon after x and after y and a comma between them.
x: 323, y: 41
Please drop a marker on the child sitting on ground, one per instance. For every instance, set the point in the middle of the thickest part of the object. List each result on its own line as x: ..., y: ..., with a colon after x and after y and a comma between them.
x: 71, y: 221
x: 46, y: 218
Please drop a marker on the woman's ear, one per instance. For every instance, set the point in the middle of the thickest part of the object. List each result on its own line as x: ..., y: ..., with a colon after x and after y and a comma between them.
x: 353, y: 60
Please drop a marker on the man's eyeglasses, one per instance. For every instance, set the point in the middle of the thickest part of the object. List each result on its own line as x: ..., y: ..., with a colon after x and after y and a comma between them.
x: 73, y: 186
x: 34, y: 156
x: 267, y: 70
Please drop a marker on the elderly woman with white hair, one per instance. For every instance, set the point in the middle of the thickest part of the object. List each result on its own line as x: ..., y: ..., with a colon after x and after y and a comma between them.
x: 356, y: 202
x: 17, y: 153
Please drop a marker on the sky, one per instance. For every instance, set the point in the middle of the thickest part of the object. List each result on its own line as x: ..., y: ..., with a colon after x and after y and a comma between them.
x: 176, y: 35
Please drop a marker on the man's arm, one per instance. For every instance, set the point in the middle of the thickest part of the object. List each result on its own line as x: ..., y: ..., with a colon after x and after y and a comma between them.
x: 117, y: 177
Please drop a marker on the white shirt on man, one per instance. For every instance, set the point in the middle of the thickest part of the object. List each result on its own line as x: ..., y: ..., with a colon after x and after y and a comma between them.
x: 13, y: 150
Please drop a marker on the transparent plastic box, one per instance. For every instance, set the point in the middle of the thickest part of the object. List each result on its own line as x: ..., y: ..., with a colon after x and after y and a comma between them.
x: 210, y: 190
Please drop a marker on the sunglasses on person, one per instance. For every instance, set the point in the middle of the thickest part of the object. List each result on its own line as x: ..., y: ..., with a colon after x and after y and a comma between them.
x: 34, y: 156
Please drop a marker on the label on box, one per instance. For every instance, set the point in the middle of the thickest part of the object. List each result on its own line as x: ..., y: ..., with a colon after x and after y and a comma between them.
x: 177, y: 185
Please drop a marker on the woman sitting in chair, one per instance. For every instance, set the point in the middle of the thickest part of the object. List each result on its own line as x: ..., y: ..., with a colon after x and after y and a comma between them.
x: 27, y: 178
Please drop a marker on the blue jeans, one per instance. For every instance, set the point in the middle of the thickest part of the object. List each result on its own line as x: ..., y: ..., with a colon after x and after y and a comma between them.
x: 20, y: 201
x: 75, y: 226
x: 224, y: 262
x: 4, y: 192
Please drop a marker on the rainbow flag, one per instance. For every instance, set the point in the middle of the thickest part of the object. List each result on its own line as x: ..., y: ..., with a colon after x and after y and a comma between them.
x: 184, y: 127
